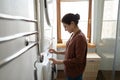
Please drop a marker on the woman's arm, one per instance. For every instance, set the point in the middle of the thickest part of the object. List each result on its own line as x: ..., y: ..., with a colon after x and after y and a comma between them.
x: 56, y: 52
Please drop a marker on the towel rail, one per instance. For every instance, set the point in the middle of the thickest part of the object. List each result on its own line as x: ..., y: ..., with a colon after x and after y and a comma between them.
x: 9, y: 17
x: 15, y: 55
x: 19, y: 18
x: 16, y: 36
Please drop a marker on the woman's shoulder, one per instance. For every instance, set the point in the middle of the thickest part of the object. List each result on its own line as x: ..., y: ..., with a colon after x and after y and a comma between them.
x: 80, y: 36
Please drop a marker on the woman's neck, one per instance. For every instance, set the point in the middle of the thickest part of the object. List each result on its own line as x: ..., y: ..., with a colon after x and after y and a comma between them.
x: 75, y: 30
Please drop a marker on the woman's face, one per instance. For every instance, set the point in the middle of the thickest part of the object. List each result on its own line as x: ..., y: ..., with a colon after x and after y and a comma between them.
x: 68, y: 28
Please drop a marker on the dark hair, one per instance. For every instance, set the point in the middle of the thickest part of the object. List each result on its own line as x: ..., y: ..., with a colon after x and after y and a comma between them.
x: 68, y: 18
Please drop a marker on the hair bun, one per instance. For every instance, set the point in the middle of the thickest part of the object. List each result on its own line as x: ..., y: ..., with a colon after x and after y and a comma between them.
x: 77, y: 16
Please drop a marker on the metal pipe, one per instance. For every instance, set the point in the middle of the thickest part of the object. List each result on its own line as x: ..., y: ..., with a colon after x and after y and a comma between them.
x: 16, y: 36
x: 16, y: 55
x: 19, y: 18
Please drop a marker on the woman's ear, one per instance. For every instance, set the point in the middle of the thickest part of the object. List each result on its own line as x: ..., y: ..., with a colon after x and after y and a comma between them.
x: 73, y: 23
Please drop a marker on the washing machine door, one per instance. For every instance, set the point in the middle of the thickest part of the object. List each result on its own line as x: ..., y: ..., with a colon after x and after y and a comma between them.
x: 39, y: 71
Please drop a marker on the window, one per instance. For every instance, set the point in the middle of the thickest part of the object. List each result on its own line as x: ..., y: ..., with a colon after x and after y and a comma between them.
x: 81, y: 7
x: 109, y: 19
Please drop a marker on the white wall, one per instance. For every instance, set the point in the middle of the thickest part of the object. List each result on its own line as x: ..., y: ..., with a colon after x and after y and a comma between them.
x: 22, y: 67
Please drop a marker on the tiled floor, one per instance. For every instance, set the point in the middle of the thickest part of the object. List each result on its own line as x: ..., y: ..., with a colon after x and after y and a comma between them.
x: 102, y: 75
x: 107, y: 75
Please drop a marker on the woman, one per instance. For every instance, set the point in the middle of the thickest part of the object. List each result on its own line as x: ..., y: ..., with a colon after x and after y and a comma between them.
x: 76, y: 49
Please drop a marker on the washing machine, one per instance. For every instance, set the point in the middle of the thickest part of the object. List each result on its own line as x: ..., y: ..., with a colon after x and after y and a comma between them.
x: 46, y: 70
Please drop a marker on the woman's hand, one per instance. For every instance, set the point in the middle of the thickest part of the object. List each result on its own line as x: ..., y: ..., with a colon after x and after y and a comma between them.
x: 55, y: 61
x: 52, y: 51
